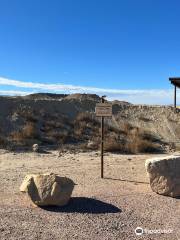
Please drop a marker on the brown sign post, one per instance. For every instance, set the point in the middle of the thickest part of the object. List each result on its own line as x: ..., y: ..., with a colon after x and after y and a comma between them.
x: 103, y: 110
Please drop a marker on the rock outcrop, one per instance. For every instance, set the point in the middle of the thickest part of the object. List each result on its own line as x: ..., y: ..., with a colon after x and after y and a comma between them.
x: 48, y: 189
x: 164, y: 175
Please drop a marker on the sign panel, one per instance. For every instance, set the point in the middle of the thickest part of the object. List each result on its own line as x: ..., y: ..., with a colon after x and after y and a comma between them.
x: 103, y: 110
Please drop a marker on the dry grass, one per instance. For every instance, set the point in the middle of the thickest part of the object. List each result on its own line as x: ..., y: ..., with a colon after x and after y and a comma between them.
x: 133, y: 142
x: 113, y: 146
x: 85, y: 132
x: 86, y: 126
x: 125, y: 139
x: 85, y: 116
x: 126, y: 127
x: 29, y: 131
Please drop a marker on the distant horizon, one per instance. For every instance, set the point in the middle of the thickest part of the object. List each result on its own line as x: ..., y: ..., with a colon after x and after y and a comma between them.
x: 120, y: 100
x: 140, y: 96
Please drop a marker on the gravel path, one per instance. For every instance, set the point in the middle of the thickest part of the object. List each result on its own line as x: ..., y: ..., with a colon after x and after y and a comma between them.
x: 106, y: 209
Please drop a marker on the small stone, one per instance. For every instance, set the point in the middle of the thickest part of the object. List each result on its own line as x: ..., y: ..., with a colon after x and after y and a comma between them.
x: 35, y: 147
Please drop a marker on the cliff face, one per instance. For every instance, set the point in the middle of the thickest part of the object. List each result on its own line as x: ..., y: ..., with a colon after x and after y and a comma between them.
x: 161, y: 121
x: 47, y: 115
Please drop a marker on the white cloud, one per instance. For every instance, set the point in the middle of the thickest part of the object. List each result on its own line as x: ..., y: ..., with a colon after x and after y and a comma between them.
x: 13, y: 93
x: 153, y: 96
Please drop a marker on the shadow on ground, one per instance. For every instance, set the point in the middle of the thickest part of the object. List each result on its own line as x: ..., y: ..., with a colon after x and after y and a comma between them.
x: 85, y: 205
x: 125, y: 180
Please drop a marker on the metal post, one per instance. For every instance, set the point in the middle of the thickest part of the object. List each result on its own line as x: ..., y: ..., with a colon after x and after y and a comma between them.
x: 175, y: 97
x: 102, y: 143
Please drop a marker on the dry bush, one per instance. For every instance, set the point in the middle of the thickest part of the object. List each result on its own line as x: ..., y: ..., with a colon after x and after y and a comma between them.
x: 137, y: 144
x: 113, y: 129
x: 126, y: 127
x: 17, y: 136
x: 175, y: 147
x: 61, y: 137
x: 144, y: 118
x: 29, y: 131
x: 28, y: 114
x: 149, y: 147
x: 88, y: 118
x: 140, y: 146
x: 78, y: 132
x: 85, y: 126
x: 84, y: 116
x: 133, y: 142
x: 113, y: 146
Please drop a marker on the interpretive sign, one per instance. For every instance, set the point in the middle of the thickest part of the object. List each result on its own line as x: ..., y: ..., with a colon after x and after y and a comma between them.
x: 103, y: 110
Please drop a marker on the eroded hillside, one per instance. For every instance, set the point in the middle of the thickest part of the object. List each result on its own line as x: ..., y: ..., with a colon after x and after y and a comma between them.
x: 70, y: 119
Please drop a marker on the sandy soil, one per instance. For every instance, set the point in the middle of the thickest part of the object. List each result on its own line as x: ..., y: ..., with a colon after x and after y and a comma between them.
x: 109, y: 208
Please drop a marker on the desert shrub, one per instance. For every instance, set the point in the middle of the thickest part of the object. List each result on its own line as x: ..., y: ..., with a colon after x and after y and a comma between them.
x: 126, y: 127
x: 29, y: 131
x: 132, y: 142
x: 150, y: 137
x: 113, y: 146
x: 149, y: 147
x: 84, y: 116
x: 144, y: 119
x: 61, y: 137
x: 172, y: 119
x: 139, y: 145
x: 28, y: 114
x: 174, y: 147
x: 86, y: 126
x: 109, y: 126
x: 78, y: 132
x: 88, y: 118
x: 17, y: 136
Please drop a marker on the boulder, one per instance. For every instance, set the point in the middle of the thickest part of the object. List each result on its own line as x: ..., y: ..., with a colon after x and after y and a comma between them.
x: 164, y: 175
x: 48, y: 189
x: 35, y: 147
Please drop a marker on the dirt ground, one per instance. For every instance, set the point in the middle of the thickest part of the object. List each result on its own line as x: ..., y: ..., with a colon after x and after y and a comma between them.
x: 109, y: 208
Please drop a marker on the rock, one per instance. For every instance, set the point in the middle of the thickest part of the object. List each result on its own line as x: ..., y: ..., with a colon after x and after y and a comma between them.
x: 91, y: 145
x: 164, y: 174
x: 35, y: 147
x: 48, y: 189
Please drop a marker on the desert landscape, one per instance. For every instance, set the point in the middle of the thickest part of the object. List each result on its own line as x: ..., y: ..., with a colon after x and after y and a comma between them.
x: 59, y: 119
x: 89, y: 120
x: 109, y: 208
x: 67, y: 133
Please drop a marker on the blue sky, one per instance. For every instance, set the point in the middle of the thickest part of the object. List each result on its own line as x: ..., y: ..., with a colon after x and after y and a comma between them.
x: 126, y: 49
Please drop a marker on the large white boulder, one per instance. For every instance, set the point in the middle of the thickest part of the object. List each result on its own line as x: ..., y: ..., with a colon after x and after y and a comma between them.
x: 48, y: 189
x: 164, y: 175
